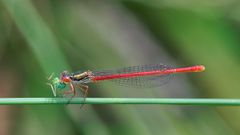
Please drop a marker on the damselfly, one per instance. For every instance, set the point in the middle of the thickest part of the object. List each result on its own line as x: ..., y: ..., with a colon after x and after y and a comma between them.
x: 145, y: 76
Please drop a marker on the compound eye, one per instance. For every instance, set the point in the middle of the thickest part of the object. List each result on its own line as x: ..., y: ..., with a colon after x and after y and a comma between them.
x: 65, y: 77
x: 64, y: 73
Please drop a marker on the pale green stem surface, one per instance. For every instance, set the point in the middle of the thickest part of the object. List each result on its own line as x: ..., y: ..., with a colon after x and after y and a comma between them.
x: 159, y: 101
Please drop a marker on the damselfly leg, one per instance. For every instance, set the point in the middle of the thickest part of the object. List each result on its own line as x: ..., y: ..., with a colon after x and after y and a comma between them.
x: 84, y: 89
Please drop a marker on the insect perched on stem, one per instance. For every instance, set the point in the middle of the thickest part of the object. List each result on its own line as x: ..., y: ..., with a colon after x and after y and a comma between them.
x: 136, y: 76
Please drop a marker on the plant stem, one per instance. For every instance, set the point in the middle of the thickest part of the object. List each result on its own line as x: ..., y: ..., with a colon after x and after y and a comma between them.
x: 160, y: 101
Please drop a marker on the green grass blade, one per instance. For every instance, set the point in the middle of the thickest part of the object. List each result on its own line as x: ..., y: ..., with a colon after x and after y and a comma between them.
x: 159, y: 101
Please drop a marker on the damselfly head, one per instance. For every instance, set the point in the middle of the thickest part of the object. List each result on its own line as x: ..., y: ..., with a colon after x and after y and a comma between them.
x: 65, y: 78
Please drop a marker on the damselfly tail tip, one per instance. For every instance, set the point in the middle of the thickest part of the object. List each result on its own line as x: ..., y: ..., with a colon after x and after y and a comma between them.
x: 200, y: 68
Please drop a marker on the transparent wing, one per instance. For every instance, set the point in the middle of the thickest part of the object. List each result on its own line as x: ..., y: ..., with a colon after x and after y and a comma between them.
x: 140, y: 81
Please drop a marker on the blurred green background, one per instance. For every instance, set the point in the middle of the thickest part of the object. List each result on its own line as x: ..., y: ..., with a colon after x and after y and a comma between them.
x: 41, y: 37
